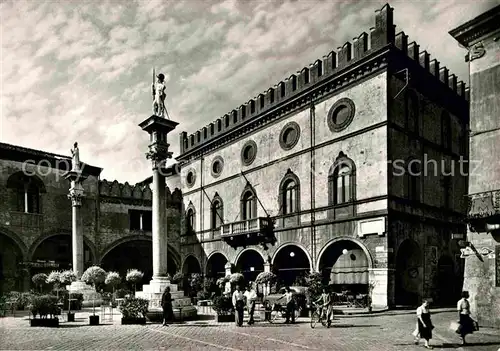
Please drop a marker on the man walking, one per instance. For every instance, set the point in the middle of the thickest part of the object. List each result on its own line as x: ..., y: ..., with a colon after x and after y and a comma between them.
x: 251, y: 297
x: 238, y: 303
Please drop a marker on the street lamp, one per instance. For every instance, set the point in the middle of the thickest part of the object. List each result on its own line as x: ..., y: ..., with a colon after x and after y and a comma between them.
x: 292, y: 254
x: 345, y: 252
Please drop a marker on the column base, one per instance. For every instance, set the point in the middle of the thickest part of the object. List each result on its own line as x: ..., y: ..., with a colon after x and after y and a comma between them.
x: 154, y: 292
x: 90, y: 296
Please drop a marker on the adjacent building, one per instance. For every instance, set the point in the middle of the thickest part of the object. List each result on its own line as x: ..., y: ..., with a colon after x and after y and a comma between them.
x: 349, y: 167
x: 481, y: 37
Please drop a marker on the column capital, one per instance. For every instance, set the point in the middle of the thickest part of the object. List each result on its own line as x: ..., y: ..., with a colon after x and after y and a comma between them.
x: 158, y: 153
x: 76, y: 199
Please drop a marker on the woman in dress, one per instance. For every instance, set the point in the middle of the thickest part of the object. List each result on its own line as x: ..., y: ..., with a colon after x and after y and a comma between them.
x: 166, y: 304
x: 466, y: 322
x: 424, y: 323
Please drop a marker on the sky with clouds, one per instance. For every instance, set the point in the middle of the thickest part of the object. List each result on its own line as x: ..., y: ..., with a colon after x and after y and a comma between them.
x: 81, y: 71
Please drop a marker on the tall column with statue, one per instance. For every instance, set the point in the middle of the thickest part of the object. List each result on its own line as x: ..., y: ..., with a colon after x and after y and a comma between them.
x: 158, y: 127
x: 76, y: 195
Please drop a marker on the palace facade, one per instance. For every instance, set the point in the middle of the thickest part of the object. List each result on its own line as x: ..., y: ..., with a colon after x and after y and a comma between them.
x: 350, y: 167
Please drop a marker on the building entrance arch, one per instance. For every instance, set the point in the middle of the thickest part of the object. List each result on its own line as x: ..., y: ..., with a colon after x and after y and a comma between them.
x: 216, y: 265
x: 344, y: 264
x: 54, y: 252
x: 135, y: 253
x: 250, y: 263
x: 291, y: 264
x: 409, y: 270
x: 191, y: 265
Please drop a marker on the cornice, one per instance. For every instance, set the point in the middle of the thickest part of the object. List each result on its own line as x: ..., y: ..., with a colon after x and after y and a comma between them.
x: 470, y: 32
x: 375, y: 62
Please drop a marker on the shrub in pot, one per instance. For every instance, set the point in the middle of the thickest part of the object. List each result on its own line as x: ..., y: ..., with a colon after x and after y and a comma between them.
x: 66, y: 278
x: 113, y: 279
x: 134, y: 276
x: 134, y: 310
x: 54, y: 279
x: 44, y: 306
x: 39, y: 280
x: 94, y: 275
x: 224, y: 309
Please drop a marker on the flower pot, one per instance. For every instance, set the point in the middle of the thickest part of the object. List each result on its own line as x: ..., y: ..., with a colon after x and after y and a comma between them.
x: 93, y: 320
x: 225, y: 318
x: 133, y: 320
x: 44, y: 322
x: 71, y: 317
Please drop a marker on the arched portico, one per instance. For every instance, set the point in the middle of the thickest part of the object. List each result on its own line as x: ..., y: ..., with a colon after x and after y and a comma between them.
x: 250, y: 263
x: 54, y: 250
x: 345, y: 264
x: 12, y: 255
x: 136, y: 252
x: 191, y: 265
x: 216, y: 263
x: 290, y: 262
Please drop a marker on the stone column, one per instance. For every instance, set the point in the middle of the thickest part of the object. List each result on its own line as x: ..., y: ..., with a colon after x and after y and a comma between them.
x: 76, y: 195
x: 267, y: 267
x: 160, y: 245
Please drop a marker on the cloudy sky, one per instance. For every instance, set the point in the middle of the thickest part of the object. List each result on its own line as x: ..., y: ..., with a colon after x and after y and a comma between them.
x: 82, y: 70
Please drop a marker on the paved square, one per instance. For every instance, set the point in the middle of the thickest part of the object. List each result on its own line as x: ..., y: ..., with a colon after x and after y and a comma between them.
x: 390, y: 331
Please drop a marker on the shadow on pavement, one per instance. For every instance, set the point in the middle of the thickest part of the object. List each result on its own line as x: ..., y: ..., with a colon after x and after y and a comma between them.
x: 355, y: 326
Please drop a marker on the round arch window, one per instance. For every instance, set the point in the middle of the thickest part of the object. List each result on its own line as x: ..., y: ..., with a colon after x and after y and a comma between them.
x: 289, y: 135
x: 190, y: 178
x: 341, y: 115
x: 217, y: 166
x: 248, y: 152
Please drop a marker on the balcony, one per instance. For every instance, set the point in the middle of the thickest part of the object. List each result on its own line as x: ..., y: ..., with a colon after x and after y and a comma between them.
x: 249, y: 232
x: 484, y: 211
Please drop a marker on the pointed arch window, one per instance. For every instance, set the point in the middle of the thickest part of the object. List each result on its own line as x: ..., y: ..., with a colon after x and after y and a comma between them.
x: 217, y: 212
x: 289, y: 193
x: 342, y: 181
x: 248, y: 204
x: 190, y: 220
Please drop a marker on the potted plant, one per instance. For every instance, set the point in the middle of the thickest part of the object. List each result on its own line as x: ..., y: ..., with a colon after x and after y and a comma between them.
x: 43, y: 306
x: 54, y: 279
x: 66, y: 278
x: 39, y: 280
x: 134, y: 310
x: 94, y: 275
x: 224, y: 309
x: 113, y: 279
x: 134, y: 276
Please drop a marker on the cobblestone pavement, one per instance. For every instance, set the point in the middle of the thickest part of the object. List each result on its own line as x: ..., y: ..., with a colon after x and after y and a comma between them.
x: 388, y: 331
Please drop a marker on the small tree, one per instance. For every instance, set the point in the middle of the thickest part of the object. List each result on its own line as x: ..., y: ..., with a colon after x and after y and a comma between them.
x: 113, y: 279
x: 134, y: 276
x: 54, y: 279
x: 94, y: 275
x: 39, y: 280
x: 66, y: 278
x: 195, y: 283
x: 314, y: 282
x: 236, y: 279
x: 177, y: 278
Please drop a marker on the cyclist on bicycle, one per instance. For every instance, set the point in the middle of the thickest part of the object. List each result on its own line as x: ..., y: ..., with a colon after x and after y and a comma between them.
x: 325, y: 303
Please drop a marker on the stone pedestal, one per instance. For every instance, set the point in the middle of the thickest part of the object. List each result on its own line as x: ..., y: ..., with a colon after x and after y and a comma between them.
x: 88, y: 291
x: 154, y: 291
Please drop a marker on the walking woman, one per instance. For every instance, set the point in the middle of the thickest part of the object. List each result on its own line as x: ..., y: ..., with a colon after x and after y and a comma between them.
x: 466, y: 322
x: 166, y: 304
x: 239, y: 305
x: 424, y: 323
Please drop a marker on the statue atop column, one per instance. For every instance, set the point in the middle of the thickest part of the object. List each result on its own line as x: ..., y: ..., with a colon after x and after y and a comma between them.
x: 75, y: 162
x: 158, y: 89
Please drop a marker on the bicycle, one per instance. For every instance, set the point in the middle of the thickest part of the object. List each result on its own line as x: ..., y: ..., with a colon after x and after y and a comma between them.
x: 278, y: 311
x: 318, y: 315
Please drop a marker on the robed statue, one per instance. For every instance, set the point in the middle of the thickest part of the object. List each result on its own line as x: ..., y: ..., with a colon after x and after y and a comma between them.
x: 75, y: 162
x: 159, y: 94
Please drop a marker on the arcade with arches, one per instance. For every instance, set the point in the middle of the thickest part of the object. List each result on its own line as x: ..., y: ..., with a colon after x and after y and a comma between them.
x: 291, y: 264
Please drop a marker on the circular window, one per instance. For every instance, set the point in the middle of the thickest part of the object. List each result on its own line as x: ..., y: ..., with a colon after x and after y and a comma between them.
x: 217, y: 166
x: 341, y: 115
x: 248, y: 152
x: 289, y: 136
x: 190, y: 178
